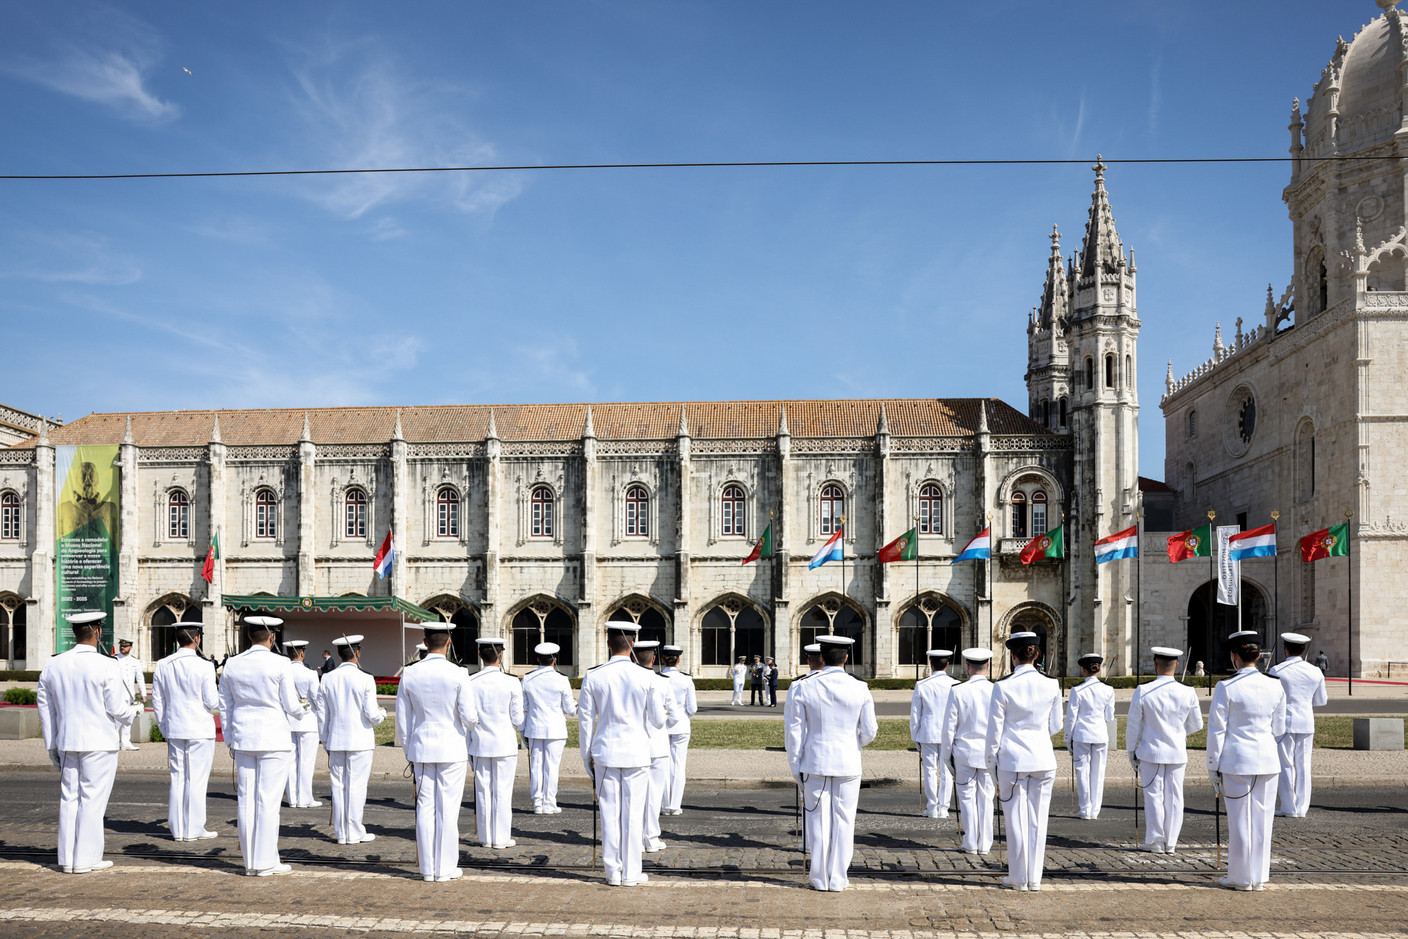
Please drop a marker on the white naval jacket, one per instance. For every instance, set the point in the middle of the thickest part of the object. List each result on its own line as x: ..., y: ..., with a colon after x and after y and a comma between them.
x: 83, y: 706
x: 659, y: 739
x: 1089, y: 712
x: 1026, y: 711
x: 965, y: 737
x: 1162, y: 714
x: 435, y: 711
x: 1304, y: 685
x: 618, y: 698
x: 348, y: 709
x: 132, y: 671
x: 683, y: 704
x: 498, y: 697
x: 547, y: 703
x: 927, y: 707
x: 1248, y: 713
x: 305, y: 682
x: 183, y: 695
x: 258, y: 701
x: 833, y: 718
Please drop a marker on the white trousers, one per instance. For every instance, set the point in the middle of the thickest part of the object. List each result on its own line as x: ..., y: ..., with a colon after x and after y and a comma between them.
x: 829, y: 808
x: 622, y: 793
x: 260, y: 776
x: 737, y: 692
x: 657, y: 783
x: 1251, y: 807
x: 300, y: 777
x: 1163, y: 802
x: 1089, y: 759
x: 1294, y: 786
x: 348, y: 772
x: 975, y: 808
x: 439, y: 792
x: 1026, y: 797
x: 189, y: 761
x: 493, y: 798
x: 679, y: 755
x: 544, y: 762
x: 85, y: 782
x: 935, y: 779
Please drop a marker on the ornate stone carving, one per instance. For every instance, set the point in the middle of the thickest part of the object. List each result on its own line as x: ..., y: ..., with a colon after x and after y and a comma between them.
x: 354, y: 451
x: 466, y: 449
x: 171, y: 454
x: 548, y: 448
x: 931, y: 444
x: 832, y: 444
x: 263, y: 453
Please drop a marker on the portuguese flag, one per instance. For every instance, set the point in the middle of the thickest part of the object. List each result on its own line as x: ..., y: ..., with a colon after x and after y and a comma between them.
x: 1050, y: 545
x: 1194, y: 543
x: 763, y: 549
x: 1325, y: 543
x: 903, y: 548
x: 207, y: 569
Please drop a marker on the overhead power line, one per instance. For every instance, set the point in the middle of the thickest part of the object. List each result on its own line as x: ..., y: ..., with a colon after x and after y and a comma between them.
x: 722, y: 164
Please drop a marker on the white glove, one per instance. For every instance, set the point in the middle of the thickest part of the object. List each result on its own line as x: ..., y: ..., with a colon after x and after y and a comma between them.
x: 1134, y: 761
x: 137, y: 709
x: 591, y: 773
x: 54, y: 758
x: 1216, y: 780
x: 383, y: 713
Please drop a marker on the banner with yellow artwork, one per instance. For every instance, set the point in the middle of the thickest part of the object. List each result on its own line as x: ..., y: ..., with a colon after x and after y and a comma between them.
x: 87, y: 536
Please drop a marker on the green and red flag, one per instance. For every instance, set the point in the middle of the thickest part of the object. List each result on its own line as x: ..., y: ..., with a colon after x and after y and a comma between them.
x: 207, y: 570
x: 903, y: 548
x: 1325, y: 543
x: 763, y: 549
x: 1051, y: 544
x: 1194, y: 543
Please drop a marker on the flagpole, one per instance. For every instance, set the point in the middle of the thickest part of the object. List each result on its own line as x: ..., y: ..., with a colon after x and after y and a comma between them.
x: 1065, y: 596
x: 1349, y: 585
x: 917, y: 670
x: 842, y: 546
x: 1276, y: 585
x: 992, y: 594
x: 1138, y: 589
x: 1212, y: 597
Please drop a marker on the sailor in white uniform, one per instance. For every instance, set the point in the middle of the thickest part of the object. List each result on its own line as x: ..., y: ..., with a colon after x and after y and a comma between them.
x: 83, y: 711
x: 183, y: 699
x: 926, y: 729
x: 493, y: 744
x: 434, y: 715
x: 1091, y: 708
x: 1304, y: 685
x: 683, y: 706
x: 740, y: 677
x: 659, y: 777
x: 1026, y: 712
x: 547, y: 703
x: 304, y: 730
x: 259, y: 703
x: 616, y: 703
x: 1162, y: 714
x: 964, y: 744
x: 834, y: 717
x: 347, y: 713
x: 134, y: 679
x: 1248, y: 713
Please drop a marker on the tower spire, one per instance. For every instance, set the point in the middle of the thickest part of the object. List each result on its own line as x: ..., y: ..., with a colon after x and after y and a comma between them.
x: 1102, y: 250
x: 1054, y: 310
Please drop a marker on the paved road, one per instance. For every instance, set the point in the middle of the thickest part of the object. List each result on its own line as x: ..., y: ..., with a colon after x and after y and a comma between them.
x: 732, y: 865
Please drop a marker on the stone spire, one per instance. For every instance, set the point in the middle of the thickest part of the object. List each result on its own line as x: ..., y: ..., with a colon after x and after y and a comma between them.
x: 1102, y: 250
x: 1168, y: 379
x: 307, y: 435
x: 1054, y: 309
x: 882, y: 426
x: 782, y: 430
x: 396, y: 432
x: 493, y: 431
x: 215, y: 430
x: 589, y: 430
x: 1217, y: 346
x: 983, y: 415
x: 684, y: 424
x: 127, y: 433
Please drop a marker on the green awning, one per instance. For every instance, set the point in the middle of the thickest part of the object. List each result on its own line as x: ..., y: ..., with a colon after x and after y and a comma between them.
x: 263, y: 601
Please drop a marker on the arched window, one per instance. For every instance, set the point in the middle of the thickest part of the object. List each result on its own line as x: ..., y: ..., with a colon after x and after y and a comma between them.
x: 731, y: 505
x: 1129, y: 371
x: 266, y: 507
x: 541, y: 508
x: 833, y: 508
x: 13, y: 637
x: 929, y: 624
x: 1305, y: 461
x: 539, y: 622
x: 1046, y: 413
x: 1193, y: 423
x: 1109, y: 371
x: 931, y: 509
x: 1063, y: 411
x: 732, y: 629
x: 447, y: 513
x: 1038, y: 512
x: 178, y: 515
x: 1019, y: 515
x: 637, y: 511
x: 9, y: 518
x: 830, y: 616
x: 1089, y: 373
x: 354, y: 513
x: 1324, y: 288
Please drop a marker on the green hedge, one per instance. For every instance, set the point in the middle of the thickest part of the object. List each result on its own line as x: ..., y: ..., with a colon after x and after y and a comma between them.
x: 155, y: 735
x: 387, y: 689
x: 20, y: 696
x: 15, y: 674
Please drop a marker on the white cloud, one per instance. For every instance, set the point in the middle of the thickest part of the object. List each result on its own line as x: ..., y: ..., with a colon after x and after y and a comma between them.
x: 66, y: 258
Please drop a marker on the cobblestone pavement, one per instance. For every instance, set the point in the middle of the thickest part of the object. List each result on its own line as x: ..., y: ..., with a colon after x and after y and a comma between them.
x: 732, y: 871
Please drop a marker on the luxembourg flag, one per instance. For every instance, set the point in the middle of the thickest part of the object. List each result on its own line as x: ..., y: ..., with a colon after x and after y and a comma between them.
x: 1256, y: 543
x: 831, y: 551
x: 1122, y: 544
x: 978, y: 549
x: 384, y: 557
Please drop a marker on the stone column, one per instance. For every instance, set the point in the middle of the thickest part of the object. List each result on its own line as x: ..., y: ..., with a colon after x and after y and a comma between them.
x: 40, y: 617
x: 588, y: 641
x: 683, y: 625
x: 307, y: 511
x: 127, y: 610
x: 400, y: 485
x: 781, y: 555
x: 492, y: 469
x: 211, y: 611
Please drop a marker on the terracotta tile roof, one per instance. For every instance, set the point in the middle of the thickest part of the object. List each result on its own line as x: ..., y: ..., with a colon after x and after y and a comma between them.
x: 1152, y: 485
x: 908, y: 417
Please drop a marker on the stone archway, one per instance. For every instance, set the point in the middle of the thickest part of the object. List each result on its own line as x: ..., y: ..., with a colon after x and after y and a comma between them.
x: 840, y: 616
x: 932, y: 621
x: 1037, y: 617
x: 453, y: 609
x: 538, y: 619
x: 653, y: 619
x: 160, y: 619
x: 1207, y: 636
x: 732, y: 626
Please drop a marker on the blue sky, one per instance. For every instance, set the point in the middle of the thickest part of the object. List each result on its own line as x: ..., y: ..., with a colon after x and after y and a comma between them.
x: 621, y: 284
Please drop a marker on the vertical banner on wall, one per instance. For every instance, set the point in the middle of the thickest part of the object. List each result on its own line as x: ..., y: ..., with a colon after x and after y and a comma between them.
x: 1229, y: 571
x: 86, y: 546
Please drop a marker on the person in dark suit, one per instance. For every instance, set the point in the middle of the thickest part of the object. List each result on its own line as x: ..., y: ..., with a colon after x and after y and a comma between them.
x: 329, y: 663
x: 771, y: 668
x: 755, y: 681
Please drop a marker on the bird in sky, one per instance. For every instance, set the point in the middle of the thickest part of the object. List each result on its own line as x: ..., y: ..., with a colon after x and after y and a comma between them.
x: 186, y: 70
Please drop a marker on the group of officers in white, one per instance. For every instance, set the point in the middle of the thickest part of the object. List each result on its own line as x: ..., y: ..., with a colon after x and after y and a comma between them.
x: 984, y: 738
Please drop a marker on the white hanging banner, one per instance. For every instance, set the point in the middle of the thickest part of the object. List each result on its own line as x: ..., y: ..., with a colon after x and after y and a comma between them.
x: 1229, y: 572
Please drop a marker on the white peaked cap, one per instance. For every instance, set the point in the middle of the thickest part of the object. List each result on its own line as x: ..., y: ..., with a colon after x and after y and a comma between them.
x: 647, y: 645
x: 977, y: 655
x: 1166, y: 652
x: 263, y: 621
x: 624, y: 625
x: 547, y: 648
x: 830, y: 640
x: 1295, y: 638
x: 83, y: 619
x: 940, y: 653
x: 1022, y: 637
x: 347, y: 640
x: 299, y: 643
x: 441, y: 627
x: 489, y: 641
x: 813, y: 649
x: 672, y: 650
x: 1245, y: 635
x: 422, y: 647
x: 1091, y: 656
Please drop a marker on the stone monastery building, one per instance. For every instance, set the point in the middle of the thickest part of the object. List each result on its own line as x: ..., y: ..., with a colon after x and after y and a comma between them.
x: 544, y: 521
